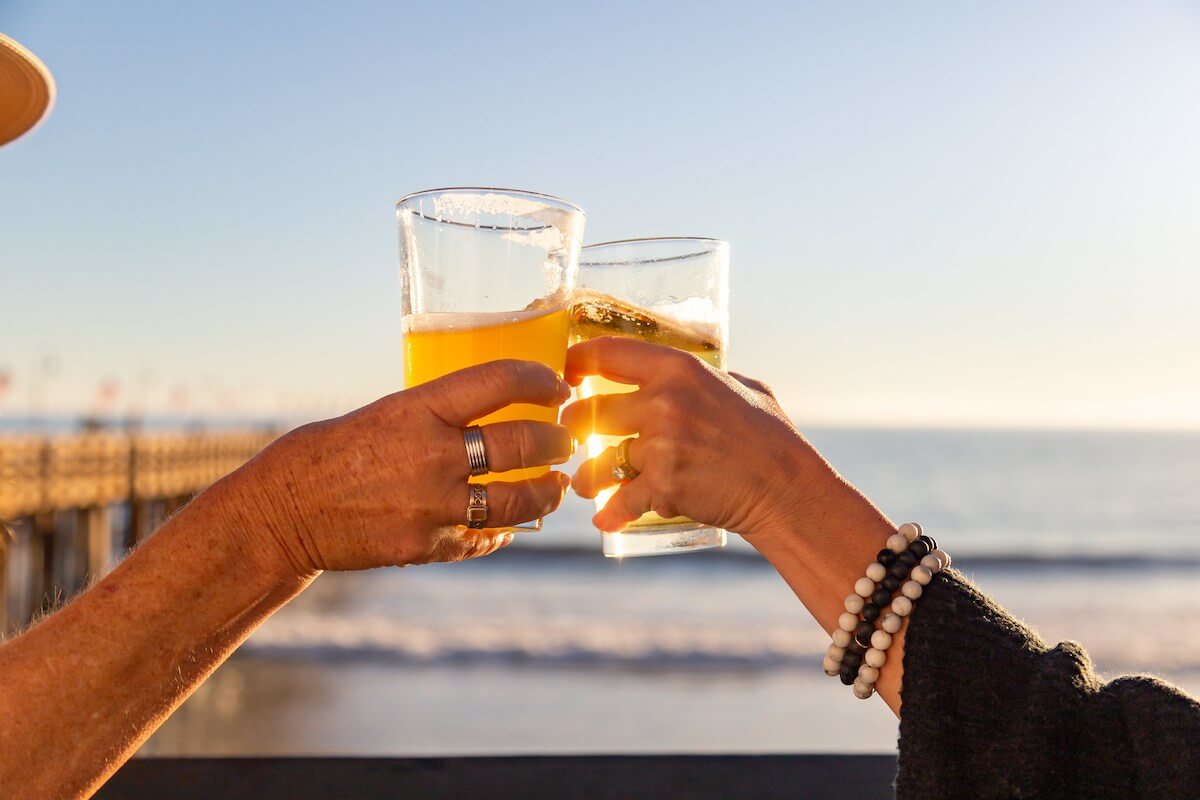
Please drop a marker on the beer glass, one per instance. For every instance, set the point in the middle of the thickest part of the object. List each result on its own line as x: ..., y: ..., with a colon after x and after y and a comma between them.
x: 487, y: 274
x: 672, y: 291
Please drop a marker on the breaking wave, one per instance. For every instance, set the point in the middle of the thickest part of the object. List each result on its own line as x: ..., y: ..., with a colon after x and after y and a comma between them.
x: 533, y: 643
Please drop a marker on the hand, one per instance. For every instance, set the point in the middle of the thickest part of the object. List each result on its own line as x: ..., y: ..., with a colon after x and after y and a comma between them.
x: 387, y: 484
x: 711, y: 446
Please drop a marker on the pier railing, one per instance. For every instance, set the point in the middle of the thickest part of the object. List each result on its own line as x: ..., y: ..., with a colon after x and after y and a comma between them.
x: 72, y: 504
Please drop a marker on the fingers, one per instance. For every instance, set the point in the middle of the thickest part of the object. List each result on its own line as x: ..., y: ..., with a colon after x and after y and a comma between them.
x: 515, y: 445
x: 596, y: 474
x: 615, y: 414
x: 474, y: 392
x: 752, y: 383
x: 630, y: 502
x: 512, y: 503
x: 508, y: 504
x: 622, y: 360
x: 459, y: 545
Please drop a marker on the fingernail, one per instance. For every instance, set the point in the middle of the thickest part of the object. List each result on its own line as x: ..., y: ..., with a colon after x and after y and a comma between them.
x: 564, y: 389
x: 574, y: 445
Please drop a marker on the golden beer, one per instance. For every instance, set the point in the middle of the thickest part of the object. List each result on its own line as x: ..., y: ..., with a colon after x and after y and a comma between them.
x: 436, y: 344
x: 595, y: 314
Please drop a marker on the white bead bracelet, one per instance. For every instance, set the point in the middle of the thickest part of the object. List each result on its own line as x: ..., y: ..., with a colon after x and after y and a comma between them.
x: 906, y: 565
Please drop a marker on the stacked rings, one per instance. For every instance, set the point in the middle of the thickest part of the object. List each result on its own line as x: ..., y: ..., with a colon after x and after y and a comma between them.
x: 906, y: 565
x: 476, y: 454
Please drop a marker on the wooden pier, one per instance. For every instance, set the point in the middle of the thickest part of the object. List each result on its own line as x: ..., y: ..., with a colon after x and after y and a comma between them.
x: 71, y: 505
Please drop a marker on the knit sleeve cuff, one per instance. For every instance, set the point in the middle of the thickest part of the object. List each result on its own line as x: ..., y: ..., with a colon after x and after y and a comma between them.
x: 987, y: 707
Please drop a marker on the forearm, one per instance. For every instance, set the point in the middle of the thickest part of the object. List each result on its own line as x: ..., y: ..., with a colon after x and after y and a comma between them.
x: 141, y: 640
x: 831, y: 532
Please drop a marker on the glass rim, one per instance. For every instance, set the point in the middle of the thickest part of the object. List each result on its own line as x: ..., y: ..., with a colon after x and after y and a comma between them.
x: 710, y: 240
x: 636, y: 239
x: 548, y: 199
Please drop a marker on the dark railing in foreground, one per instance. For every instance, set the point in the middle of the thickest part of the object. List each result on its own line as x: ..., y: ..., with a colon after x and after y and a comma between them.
x: 813, y: 777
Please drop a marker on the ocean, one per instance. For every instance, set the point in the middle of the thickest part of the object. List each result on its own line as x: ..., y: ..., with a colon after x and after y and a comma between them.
x: 547, y: 647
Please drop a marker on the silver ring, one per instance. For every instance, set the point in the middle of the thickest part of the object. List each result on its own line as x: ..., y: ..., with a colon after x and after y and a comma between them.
x: 476, y: 454
x: 477, y: 509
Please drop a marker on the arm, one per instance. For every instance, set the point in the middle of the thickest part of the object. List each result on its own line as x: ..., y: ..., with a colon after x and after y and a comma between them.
x: 989, y: 710
x: 822, y: 544
x: 83, y: 689
x: 385, y: 485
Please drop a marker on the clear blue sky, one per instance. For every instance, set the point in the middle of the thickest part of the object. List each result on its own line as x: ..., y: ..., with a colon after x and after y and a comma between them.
x: 941, y: 213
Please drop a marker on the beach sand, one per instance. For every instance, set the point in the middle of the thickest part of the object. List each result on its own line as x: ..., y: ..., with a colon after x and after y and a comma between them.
x: 256, y: 706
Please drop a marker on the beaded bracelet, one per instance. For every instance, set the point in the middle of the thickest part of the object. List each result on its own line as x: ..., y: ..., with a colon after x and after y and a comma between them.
x: 859, y: 649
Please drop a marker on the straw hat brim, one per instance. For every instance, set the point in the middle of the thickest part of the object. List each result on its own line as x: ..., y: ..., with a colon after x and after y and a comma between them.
x: 26, y: 90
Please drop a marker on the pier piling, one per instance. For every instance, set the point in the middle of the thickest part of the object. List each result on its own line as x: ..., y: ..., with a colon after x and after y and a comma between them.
x: 70, y: 505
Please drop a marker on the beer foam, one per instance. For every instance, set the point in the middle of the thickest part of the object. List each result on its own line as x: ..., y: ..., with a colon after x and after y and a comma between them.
x: 694, y: 315
x: 462, y: 205
x: 535, y: 222
x: 691, y: 319
x: 440, y: 321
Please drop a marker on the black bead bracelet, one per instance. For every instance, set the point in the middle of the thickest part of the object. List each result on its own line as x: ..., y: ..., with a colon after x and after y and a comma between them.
x: 875, y: 612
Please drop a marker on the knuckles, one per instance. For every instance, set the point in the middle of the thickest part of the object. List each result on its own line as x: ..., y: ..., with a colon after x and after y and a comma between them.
x: 662, y: 456
x: 664, y: 508
x: 765, y: 389
x: 505, y: 376
x: 501, y: 376
x: 395, y: 408
x: 671, y: 410
x: 686, y: 367
x: 753, y: 384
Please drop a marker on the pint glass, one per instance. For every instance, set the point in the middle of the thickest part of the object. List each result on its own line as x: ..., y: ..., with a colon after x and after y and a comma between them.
x: 671, y: 291
x: 487, y: 274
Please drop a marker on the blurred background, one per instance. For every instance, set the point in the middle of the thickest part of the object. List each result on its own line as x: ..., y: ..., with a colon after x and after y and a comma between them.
x: 964, y: 255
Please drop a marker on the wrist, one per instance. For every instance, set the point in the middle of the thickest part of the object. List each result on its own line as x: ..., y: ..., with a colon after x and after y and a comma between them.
x: 799, y: 481
x: 815, y: 515
x: 245, y: 522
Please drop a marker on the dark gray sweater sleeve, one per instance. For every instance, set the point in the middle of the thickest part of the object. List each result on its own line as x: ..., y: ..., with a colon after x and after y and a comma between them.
x: 991, y: 711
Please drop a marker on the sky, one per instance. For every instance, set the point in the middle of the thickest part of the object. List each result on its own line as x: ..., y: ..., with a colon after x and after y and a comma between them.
x: 941, y: 214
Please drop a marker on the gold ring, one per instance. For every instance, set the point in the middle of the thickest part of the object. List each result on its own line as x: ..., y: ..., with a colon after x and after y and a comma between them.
x: 623, y: 471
